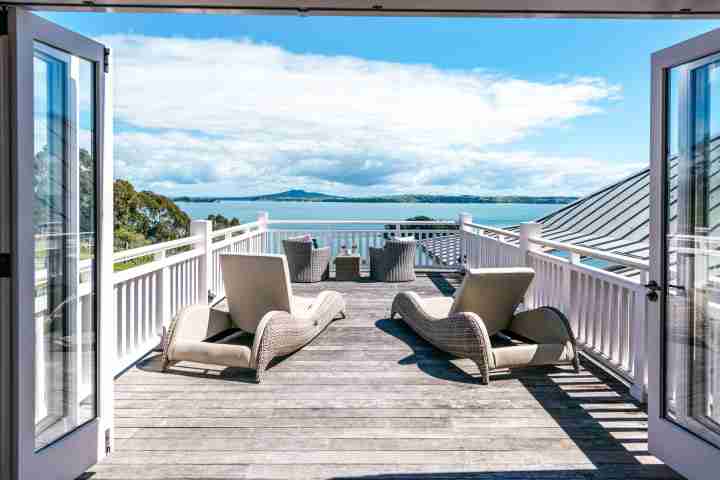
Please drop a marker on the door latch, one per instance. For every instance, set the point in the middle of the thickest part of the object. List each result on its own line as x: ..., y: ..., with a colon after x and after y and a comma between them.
x: 5, y: 267
x: 653, y: 289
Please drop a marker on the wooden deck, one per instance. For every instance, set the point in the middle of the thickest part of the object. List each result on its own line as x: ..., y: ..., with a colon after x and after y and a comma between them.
x: 369, y: 399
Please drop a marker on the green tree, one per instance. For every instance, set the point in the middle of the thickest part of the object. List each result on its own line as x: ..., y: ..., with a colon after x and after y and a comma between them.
x: 145, y: 217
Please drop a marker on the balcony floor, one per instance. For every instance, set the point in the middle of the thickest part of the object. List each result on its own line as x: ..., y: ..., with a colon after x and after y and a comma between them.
x: 369, y: 399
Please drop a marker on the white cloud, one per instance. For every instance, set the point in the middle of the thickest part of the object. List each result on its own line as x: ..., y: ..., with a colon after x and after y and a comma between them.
x: 218, y: 116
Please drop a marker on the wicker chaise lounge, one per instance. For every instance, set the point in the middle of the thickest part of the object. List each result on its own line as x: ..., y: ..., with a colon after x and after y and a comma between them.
x: 395, y: 261
x: 260, y: 301
x: 307, y: 263
x: 484, y: 306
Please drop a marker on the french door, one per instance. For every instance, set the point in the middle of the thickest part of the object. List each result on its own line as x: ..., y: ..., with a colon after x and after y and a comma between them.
x: 56, y: 210
x: 684, y: 339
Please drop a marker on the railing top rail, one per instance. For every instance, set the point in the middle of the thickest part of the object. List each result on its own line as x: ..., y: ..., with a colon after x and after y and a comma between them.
x: 362, y: 222
x: 343, y: 231
x: 154, y: 248
x: 593, y: 253
x: 499, y: 231
x: 236, y: 228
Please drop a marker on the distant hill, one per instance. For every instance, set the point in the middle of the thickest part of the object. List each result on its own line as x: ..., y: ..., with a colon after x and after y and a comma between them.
x: 294, y: 196
x: 287, y: 196
x: 303, y: 196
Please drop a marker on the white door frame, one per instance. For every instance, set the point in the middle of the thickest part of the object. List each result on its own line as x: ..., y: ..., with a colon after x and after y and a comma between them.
x: 70, y: 455
x: 6, y: 447
x: 680, y: 449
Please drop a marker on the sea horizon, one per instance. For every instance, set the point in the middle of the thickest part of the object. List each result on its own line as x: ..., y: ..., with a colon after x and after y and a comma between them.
x: 491, y: 214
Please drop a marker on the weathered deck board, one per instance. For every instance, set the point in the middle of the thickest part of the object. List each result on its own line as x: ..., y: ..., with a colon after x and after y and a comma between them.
x: 369, y: 399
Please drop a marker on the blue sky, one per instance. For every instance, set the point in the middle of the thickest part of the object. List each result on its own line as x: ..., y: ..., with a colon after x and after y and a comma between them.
x: 234, y: 105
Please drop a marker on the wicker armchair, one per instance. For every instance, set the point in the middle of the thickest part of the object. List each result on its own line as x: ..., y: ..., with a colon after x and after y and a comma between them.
x: 307, y: 263
x: 260, y: 301
x: 395, y: 262
x: 483, y: 307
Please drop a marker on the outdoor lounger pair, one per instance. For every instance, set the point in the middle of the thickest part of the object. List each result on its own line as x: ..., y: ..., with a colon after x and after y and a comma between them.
x: 261, y: 302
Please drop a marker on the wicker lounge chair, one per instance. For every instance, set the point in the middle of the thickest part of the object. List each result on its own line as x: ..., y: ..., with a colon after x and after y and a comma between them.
x: 395, y: 262
x: 484, y: 306
x: 307, y: 263
x: 260, y: 301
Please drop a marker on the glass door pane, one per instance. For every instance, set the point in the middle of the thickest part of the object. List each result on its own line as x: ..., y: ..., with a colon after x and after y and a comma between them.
x: 692, y: 321
x: 65, y: 249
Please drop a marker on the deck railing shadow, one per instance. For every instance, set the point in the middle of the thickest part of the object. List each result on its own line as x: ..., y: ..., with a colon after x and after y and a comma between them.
x: 610, y: 430
x: 593, y: 408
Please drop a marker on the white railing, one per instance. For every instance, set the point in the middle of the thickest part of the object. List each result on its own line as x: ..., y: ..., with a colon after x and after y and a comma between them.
x: 607, y: 311
x: 362, y: 234
x: 485, y: 246
x: 248, y: 238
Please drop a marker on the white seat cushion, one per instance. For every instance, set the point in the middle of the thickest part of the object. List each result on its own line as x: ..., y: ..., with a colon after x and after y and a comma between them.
x: 438, y: 307
x: 302, y: 304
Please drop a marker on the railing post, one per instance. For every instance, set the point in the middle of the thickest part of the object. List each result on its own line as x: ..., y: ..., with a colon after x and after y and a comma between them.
x: 204, y: 229
x: 262, y: 219
x: 163, y: 290
x: 570, y: 307
x: 463, y: 218
x: 528, y: 230
x: 638, y: 335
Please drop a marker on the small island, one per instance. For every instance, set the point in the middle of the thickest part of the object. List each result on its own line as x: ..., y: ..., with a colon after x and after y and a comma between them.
x: 304, y: 196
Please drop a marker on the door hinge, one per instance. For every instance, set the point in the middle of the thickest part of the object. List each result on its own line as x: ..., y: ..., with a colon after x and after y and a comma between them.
x: 5, y: 265
x: 108, y: 441
x: 106, y: 60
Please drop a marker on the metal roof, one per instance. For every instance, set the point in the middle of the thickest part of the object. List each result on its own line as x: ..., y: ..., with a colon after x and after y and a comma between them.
x: 613, y: 219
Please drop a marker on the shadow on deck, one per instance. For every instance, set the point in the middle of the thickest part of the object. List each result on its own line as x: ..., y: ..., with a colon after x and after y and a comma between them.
x: 369, y: 399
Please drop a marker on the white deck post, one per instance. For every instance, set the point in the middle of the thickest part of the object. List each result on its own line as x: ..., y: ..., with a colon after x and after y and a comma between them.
x: 638, y: 334
x: 204, y: 229
x: 262, y: 219
x: 163, y: 289
x: 527, y: 231
x: 569, y: 307
x: 463, y: 218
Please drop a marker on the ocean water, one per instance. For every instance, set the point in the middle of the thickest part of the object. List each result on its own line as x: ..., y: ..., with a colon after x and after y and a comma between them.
x: 496, y: 214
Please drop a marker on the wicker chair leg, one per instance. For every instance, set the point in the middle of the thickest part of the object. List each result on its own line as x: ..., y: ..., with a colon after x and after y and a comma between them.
x: 259, y: 373
x: 576, y: 363
x: 484, y: 372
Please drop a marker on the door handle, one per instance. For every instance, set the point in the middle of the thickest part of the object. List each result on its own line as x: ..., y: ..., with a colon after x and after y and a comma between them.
x: 654, y: 287
x: 5, y: 265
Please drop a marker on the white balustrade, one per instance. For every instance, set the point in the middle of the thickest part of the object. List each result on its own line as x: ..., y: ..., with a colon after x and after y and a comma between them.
x: 366, y: 234
x: 607, y: 311
x: 490, y: 247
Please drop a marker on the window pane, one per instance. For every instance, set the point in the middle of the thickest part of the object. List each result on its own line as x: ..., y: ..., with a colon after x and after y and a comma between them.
x: 64, y: 221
